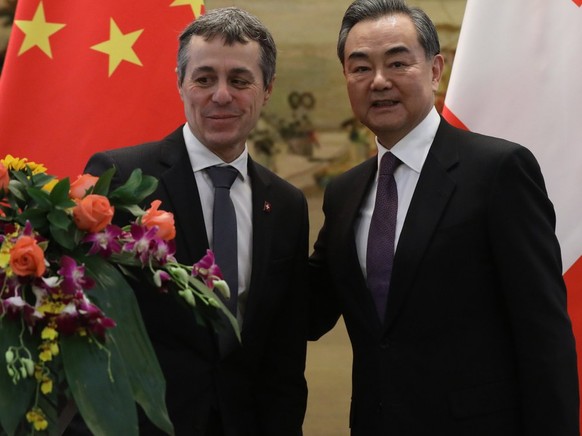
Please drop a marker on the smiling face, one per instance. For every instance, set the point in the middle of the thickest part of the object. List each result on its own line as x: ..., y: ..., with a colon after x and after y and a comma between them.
x: 391, y: 83
x: 223, y: 93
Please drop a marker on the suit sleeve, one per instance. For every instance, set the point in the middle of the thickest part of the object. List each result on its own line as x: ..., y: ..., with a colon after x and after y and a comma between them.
x: 324, y: 310
x: 528, y: 259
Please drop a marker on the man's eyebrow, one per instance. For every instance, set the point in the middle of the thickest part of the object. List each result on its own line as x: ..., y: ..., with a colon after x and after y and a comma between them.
x: 203, y: 69
x: 397, y: 50
x: 241, y: 70
x: 358, y: 54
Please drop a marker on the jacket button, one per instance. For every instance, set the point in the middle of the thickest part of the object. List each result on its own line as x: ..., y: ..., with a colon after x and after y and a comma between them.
x: 384, y: 345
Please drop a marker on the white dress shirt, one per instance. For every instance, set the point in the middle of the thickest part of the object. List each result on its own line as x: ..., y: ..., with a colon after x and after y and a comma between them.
x: 412, y: 151
x: 240, y: 193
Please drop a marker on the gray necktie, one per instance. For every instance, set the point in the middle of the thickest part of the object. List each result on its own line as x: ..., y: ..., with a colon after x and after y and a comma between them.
x: 224, y: 229
x: 381, y: 237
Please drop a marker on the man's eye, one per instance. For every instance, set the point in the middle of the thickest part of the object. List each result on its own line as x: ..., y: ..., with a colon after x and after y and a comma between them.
x: 240, y: 83
x: 360, y: 69
x: 203, y: 81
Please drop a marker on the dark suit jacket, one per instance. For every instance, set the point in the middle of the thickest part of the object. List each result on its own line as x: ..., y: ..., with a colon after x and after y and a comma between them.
x: 260, y: 388
x: 476, y: 340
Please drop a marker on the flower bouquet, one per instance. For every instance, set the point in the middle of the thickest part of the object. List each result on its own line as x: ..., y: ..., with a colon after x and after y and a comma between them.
x: 71, y: 333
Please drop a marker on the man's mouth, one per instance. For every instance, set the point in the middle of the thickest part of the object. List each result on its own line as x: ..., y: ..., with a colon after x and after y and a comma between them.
x: 384, y: 103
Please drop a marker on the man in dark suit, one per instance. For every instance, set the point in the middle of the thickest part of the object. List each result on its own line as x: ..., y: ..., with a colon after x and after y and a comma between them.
x: 465, y: 332
x: 226, y: 68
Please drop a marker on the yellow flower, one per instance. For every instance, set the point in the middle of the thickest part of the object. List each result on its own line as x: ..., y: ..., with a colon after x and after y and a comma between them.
x: 49, y: 333
x: 46, y: 386
x: 51, y: 307
x: 37, y: 419
x: 18, y: 164
x: 45, y: 355
x: 54, y: 348
x: 50, y: 185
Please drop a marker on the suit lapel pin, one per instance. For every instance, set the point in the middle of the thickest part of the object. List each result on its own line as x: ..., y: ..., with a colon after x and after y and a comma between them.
x: 266, y: 207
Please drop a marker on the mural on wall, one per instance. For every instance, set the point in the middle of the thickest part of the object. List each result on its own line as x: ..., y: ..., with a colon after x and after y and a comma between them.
x: 307, y: 133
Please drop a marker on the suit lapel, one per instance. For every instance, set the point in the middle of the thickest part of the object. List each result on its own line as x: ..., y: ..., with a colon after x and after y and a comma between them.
x: 262, y: 234
x: 429, y: 201
x: 180, y: 187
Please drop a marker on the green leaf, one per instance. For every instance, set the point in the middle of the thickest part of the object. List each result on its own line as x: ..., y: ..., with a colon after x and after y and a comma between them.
x: 106, y: 404
x: 60, y: 219
x: 117, y: 299
x: 135, y: 189
x: 37, y: 218
x: 42, y: 198
x: 17, y: 189
x: 64, y: 237
x: 40, y: 179
x: 102, y: 185
x: 132, y: 208
x: 22, y: 177
x: 15, y: 399
x: 217, y: 322
x: 59, y: 195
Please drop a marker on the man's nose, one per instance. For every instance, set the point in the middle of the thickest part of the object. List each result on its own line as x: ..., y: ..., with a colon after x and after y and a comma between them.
x: 222, y: 93
x: 381, y: 80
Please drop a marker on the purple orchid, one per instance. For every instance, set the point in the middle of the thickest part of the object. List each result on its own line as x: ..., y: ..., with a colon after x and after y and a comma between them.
x: 142, y: 241
x: 105, y: 242
x: 207, y: 269
x: 74, y: 277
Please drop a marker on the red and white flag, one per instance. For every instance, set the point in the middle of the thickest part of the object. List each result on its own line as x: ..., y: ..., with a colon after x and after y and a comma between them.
x: 85, y: 75
x: 517, y: 74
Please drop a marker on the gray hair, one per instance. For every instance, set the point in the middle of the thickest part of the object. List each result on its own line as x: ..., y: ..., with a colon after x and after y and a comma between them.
x: 234, y: 26
x: 361, y: 10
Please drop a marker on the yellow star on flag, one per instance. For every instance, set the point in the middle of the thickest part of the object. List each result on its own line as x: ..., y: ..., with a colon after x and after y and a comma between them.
x: 196, y: 5
x: 37, y: 32
x: 119, y: 47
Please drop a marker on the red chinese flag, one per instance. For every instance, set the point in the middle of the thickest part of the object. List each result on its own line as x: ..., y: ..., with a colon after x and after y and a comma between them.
x: 518, y: 75
x: 87, y: 75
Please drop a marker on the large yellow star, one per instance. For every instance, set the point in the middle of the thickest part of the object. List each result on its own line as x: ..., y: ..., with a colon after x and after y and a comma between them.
x: 196, y: 5
x: 37, y: 32
x: 119, y: 47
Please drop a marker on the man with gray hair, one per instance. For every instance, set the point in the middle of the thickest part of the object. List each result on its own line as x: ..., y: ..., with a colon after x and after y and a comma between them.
x: 217, y: 387
x: 441, y: 255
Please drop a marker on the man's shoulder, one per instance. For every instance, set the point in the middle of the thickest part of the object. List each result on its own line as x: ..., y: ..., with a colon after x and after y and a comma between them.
x: 473, y: 141
x: 270, y: 177
x: 144, y: 149
x: 145, y: 155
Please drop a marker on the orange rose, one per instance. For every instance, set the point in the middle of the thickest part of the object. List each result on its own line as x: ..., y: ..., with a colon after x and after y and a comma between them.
x: 80, y: 186
x: 93, y: 213
x: 164, y: 220
x: 4, y: 178
x: 27, y: 258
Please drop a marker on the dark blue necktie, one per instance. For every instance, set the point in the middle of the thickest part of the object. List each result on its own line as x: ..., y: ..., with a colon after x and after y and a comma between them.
x: 380, y: 253
x: 224, y: 229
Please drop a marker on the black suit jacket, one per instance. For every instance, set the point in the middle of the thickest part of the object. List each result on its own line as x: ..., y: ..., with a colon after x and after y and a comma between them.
x: 259, y: 388
x: 476, y: 339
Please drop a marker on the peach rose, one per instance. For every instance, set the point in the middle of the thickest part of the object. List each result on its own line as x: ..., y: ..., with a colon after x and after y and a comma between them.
x: 80, y: 186
x: 164, y: 220
x: 93, y: 213
x: 27, y: 258
x: 4, y: 178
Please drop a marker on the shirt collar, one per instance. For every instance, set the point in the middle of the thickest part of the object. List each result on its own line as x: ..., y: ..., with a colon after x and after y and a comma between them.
x: 201, y: 157
x: 413, y: 148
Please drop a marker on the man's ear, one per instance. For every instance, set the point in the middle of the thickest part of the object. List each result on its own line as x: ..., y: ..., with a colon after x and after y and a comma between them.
x: 178, y: 83
x: 438, y: 65
x: 269, y: 91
